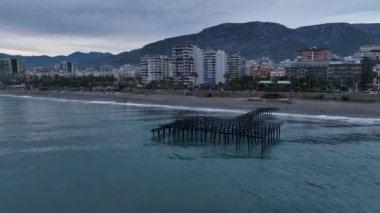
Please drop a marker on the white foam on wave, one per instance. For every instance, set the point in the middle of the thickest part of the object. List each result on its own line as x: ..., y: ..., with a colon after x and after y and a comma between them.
x: 43, y: 98
x: 356, y: 120
x: 141, y: 105
x: 169, y: 107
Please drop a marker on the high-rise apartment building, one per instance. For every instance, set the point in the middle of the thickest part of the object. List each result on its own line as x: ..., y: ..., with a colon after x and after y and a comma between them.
x: 214, y: 66
x: 67, y: 67
x: 187, y: 64
x: 5, y: 67
x: 236, y: 66
x: 11, y: 65
x: 154, y: 68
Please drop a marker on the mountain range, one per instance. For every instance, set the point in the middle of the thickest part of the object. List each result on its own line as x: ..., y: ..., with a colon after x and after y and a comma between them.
x: 48, y: 61
x: 252, y: 40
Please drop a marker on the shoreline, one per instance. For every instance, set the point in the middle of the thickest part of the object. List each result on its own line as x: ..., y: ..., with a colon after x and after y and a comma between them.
x: 297, y: 107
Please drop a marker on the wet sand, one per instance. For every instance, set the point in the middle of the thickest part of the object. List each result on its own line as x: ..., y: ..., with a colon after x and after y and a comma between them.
x: 298, y: 106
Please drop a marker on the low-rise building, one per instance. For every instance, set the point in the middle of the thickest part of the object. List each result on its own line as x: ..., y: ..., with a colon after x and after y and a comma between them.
x: 251, y: 67
x: 127, y: 71
x: 376, y: 69
x: 303, y: 69
x: 42, y: 71
x: 277, y: 73
x: 106, y: 68
x: 264, y: 71
x: 368, y: 51
x: 347, y: 72
x: 314, y: 54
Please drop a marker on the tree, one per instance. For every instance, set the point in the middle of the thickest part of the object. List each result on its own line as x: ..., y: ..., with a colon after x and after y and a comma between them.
x: 227, y: 77
x: 378, y: 81
x: 368, y: 74
x: 334, y: 84
x: 356, y: 79
x: 181, y: 83
x: 195, y: 76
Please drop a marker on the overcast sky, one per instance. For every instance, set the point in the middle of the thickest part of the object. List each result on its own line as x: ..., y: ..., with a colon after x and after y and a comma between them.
x: 51, y: 27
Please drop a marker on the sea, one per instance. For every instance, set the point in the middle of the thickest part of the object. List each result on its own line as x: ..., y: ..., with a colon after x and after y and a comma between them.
x: 91, y: 156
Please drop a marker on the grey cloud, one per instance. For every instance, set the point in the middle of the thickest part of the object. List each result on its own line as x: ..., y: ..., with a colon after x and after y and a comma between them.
x: 149, y: 20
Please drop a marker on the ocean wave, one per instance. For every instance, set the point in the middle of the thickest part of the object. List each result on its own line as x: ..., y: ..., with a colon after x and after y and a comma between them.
x: 357, y: 120
x: 200, y: 109
x: 43, y: 98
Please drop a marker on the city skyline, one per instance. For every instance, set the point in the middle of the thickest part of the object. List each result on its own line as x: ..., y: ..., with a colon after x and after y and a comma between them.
x: 60, y: 28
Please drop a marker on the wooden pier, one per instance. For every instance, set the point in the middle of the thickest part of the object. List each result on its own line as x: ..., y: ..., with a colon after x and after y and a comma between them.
x: 255, y: 127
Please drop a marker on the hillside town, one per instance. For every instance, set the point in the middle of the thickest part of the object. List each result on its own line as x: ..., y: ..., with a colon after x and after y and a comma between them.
x: 189, y: 67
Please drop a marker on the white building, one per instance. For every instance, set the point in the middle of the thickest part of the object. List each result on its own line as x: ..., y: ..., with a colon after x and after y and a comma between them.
x: 278, y: 72
x: 127, y: 71
x: 251, y: 67
x: 368, y: 51
x: 214, y: 66
x: 154, y: 68
x: 106, y: 68
x: 376, y: 69
x: 186, y: 61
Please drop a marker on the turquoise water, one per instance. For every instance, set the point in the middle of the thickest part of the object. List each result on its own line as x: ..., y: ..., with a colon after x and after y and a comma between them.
x: 67, y: 156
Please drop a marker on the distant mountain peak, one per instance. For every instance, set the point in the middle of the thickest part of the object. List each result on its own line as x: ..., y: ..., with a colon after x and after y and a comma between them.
x: 264, y: 39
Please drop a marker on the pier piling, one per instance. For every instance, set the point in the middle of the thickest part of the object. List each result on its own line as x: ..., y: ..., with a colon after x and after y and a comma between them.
x: 255, y: 126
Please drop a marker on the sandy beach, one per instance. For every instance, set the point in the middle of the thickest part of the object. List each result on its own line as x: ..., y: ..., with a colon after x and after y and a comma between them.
x: 298, y: 106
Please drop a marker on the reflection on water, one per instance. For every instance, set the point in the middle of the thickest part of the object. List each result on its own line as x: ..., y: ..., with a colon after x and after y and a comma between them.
x: 58, y: 156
